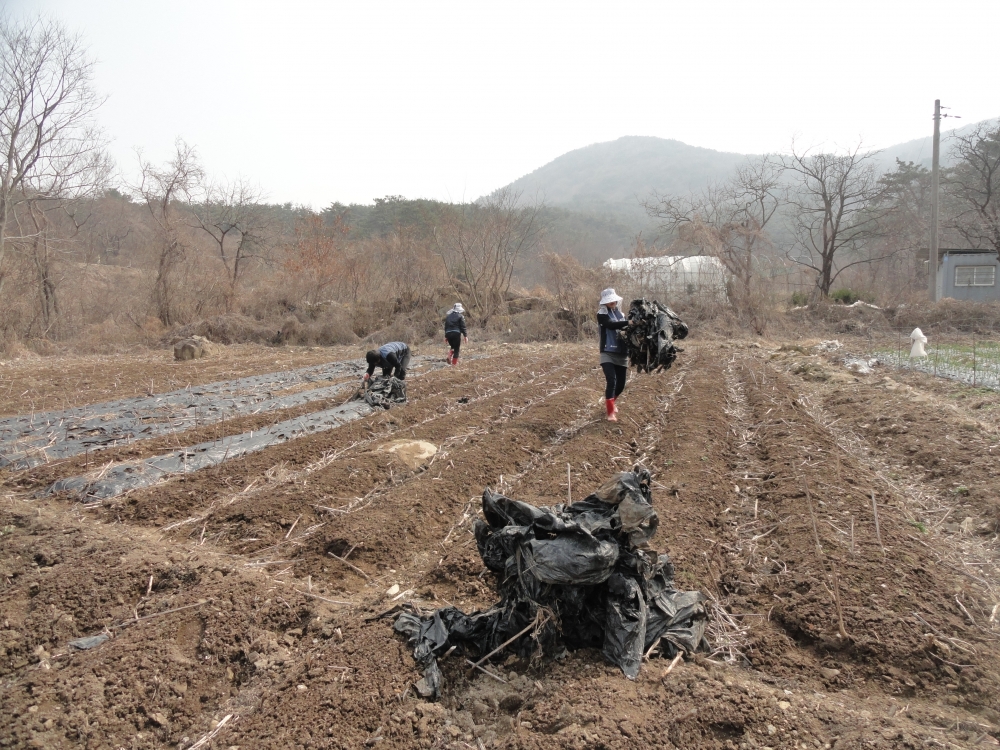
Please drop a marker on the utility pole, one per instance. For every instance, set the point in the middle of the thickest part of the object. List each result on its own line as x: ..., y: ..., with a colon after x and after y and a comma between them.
x: 932, y: 260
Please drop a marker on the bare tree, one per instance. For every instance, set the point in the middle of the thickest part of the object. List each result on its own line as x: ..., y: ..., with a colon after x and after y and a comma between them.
x: 973, y: 187
x: 895, y: 269
x: 836, y: 211
x: 320, y: 261
x: 50, y: 147
x: 236, y: 220
x: 161, y: 188
x: 575, y: 286
x: 485, y: 242
x: 413, y: 270
x: 111, y: 227
x: 729, y: 221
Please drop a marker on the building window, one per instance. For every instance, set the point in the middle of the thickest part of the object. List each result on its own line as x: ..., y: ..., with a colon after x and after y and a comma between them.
x: 975, y: 275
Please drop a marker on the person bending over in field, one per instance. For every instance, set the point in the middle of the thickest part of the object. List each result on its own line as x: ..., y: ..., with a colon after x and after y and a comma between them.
x: 393, y: 358
x: 614, y: 351
x: 454, y: 331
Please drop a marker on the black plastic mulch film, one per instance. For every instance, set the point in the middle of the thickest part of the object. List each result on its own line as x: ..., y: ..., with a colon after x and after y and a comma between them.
x: 29, y: 440
x: 651, y: 335
x: 116, y: 480
x: 569, y: 577
x: 383, y: 392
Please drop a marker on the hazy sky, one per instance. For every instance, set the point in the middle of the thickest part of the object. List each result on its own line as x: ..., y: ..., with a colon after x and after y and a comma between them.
x: 348, y: 101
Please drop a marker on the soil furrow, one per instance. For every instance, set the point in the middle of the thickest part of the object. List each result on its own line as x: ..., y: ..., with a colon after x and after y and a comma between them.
x: 244, y: 612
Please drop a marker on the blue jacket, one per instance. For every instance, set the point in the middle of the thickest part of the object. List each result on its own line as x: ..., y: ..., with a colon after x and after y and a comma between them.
x: 392, y: 355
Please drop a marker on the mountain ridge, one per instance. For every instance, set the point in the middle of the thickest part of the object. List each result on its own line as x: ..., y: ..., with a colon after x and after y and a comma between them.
x: 614, y: 177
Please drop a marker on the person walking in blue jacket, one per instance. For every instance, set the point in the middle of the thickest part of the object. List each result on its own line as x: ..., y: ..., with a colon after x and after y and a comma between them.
x: 454, y: 331
x: 614, y: 350
x: 393, y: 358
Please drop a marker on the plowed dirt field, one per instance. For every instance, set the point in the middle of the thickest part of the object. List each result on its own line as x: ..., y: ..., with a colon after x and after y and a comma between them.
x: 843, y: 526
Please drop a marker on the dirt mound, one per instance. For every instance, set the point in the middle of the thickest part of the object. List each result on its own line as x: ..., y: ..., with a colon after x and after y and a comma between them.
x: 194, y: 347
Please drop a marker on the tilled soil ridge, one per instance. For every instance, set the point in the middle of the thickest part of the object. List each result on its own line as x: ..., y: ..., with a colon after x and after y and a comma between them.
x: 244, y: 599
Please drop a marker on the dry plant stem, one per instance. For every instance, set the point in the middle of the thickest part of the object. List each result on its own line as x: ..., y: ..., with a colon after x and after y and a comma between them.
x: 293, y: 526
x: 878, y: 531
x: 158, y: 614
x: 812, y: 515
x: 836, y: 602
x: 569, y: 486
x: 649, y: 651
x: 965, y: 612
x: 537, y: 623
x: 353, y: 567
x: 208, y: 737
x: 324, y: 599
x: 485, y: 671
x: 670, y: 666
x: 656, y: 643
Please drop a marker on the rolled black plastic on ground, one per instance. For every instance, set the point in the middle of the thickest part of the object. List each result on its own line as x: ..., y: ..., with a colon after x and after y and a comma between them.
x: 569, y: 577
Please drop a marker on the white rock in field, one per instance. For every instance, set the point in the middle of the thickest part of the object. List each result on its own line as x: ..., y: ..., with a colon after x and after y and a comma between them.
x: 393, y: 590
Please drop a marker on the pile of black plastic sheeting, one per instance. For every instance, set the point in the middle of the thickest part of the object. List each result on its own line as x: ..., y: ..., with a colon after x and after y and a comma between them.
x: 569, y: 577
x: 383, y: 392
x: 652, y: 334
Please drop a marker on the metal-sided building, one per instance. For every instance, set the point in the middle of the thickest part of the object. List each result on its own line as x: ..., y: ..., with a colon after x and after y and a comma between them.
x: 969, y: 274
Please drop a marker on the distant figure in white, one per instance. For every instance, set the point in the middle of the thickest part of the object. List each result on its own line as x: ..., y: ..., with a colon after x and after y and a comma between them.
x: 918, y: 340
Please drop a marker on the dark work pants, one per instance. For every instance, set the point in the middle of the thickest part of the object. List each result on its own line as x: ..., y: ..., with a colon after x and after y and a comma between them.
x: 399, y: 371
x: 454, y: 341
x: 615, y: 375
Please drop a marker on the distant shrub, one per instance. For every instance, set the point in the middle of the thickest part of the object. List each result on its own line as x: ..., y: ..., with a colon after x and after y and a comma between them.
x: 800, y: 299
x: 539, y: 325
x: 231, y: 328
x: 845, y: 296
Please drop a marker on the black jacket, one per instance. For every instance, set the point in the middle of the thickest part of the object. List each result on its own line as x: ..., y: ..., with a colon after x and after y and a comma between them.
x: 454, y: 322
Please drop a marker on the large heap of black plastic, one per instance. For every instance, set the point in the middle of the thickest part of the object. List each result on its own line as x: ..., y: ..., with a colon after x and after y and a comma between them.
x: 383, y: 392
x: 652, y: 334
x: 570, y: 576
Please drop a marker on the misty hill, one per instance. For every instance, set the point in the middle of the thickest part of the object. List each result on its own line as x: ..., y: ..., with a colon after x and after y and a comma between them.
x: 920, y: 150
x: 613, y: 177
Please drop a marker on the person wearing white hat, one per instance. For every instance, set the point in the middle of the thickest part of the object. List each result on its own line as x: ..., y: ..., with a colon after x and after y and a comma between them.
x: 614, y: 351
x: 454, y: 331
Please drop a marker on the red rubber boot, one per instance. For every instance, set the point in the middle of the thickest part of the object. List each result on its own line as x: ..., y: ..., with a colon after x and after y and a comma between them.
x: 450, y: 353
x: 612, y: 412
x: 454, y: 361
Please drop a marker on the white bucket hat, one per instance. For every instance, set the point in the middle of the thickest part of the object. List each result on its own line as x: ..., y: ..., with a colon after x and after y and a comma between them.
x: 458, y: 307
x: 608, y: 295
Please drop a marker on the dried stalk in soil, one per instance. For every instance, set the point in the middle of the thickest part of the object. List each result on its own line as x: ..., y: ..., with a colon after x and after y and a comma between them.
x: 353, y: 567
x: 812, y: 514
x: 878, y: 532
x: 670, y: 667
x: 836, y: 601
x: 540, y: 619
